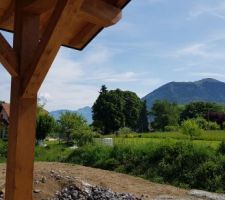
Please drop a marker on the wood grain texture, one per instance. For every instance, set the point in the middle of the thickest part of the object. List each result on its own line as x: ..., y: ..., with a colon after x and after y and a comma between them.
x: 8, y: 57
x: 100, y: 13
x: 21, y: 139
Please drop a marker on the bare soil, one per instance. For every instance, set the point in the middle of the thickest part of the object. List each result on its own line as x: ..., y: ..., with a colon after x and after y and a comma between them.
x: 52, y: 177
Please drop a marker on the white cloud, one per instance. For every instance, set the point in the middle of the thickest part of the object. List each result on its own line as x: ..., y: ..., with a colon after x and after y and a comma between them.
x: 208, y: 74
x: 72, y: 84
x: 205, y: 51
x: 217, y: 9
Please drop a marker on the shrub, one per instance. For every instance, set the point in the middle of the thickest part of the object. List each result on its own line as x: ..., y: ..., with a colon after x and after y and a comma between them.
x: 182, y: 164
x: 124, y: 131
x: 97, y: 135
x: 83, y: 137
x: 191, y: 128
x: 213, y: 126
x: 202, y: 123
x: 3, y: 149
x: 171, y: 128
x: 221, y: 148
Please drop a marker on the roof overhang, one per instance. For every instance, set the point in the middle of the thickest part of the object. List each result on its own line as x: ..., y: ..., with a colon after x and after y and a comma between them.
x: 90, y: 17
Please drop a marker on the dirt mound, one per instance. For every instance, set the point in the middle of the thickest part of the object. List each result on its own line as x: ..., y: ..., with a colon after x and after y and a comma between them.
x: 56, y: 181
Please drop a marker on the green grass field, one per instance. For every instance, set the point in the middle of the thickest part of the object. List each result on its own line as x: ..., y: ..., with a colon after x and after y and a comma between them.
x: 207, y: 139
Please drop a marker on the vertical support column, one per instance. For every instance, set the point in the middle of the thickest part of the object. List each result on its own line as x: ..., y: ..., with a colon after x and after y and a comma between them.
x: 20, y: 160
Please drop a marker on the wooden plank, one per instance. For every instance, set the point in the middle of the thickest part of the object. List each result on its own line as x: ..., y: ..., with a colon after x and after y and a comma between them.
x: 4, y: 3
x: 38, y: 6
x: 84, y: 35
x: 8, y: 57
x: 6, y: 18
x: 60, y: 25
x: 21, y: 138
x: 100, y: 13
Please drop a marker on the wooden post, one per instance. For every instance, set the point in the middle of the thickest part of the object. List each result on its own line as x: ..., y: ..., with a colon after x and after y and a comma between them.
x: 71, y: 23
x: 20, y: 161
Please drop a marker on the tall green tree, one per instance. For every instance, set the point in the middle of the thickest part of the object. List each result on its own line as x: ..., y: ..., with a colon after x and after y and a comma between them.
x: 143, y: 124
x: 108, y: 113
x: 132, y: 109
x: 45, y: 125
x: 115, y: 109
x: 165, y: 114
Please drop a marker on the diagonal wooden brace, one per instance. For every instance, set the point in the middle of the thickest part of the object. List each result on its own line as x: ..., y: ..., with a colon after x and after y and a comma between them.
x: 8, y: 57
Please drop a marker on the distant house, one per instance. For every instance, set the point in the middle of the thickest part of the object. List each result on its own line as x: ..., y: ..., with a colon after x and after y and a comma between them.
x: 4, y: 119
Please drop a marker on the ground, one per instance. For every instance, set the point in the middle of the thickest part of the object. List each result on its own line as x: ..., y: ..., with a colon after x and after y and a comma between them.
x: 52, y: 177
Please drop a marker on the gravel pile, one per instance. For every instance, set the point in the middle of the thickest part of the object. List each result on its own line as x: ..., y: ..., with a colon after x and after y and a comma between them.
x: 91, y: 193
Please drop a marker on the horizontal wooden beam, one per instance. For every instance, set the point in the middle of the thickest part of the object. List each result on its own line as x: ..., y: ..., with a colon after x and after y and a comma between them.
x: 8, y: 57
x: 99, y: 12
x: 38, y: 6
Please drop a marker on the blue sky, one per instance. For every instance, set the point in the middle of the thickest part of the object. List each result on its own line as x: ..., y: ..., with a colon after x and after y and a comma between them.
x: 156, y: 42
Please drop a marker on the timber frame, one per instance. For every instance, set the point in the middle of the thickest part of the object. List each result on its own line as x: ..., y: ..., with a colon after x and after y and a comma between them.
x: 40, y: 28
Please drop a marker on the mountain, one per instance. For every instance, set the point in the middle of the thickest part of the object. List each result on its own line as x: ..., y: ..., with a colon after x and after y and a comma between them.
x: 86, y: 112
x: 185, y: 92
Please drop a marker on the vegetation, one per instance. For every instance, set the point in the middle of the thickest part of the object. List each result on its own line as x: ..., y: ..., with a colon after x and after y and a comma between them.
x: 45, y: 125
x: 181, y: 164
x: 74, y: 128
x: 200, y: 109
x: 169, y: 116
x: 165, y: 114
x: 116, y: 109
x: 191, y: 128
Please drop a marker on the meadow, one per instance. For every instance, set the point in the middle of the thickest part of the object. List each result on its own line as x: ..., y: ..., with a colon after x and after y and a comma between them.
x: 207, y: 139
x: 169, y: 158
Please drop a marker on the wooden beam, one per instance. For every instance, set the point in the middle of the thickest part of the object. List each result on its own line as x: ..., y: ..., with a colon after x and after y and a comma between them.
x: 8, y: 57
x: 21, y: 138
x: 6, y: 18
x: 38, y: 6
x: 99, y: 12
x: 84, y: 35
x: 60, y: 24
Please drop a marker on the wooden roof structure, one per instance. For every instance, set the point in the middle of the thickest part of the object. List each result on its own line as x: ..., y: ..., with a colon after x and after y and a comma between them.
x: 40, y: 27
x: 89, y: 20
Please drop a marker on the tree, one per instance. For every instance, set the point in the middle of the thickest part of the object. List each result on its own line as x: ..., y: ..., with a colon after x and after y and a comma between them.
x: 115, y: 109
x: 200, y: 109
x: 143, y: 119
x: 45, y: 125
x: 132, y: 110
x: 165, y: 114
x: 74, y: 128
x: 108, y: 113
x: 191, y: 128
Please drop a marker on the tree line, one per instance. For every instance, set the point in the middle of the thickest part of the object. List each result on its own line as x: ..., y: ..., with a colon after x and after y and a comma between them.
x: 116, y: 109
x: 169, y: 116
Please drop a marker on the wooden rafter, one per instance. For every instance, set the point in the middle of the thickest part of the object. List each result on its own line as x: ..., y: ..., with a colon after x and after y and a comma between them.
x: 8, y: 57
x: 84, y: 35
x: 38, y: 6
x: 40, y: 27
x: 108, y: 16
